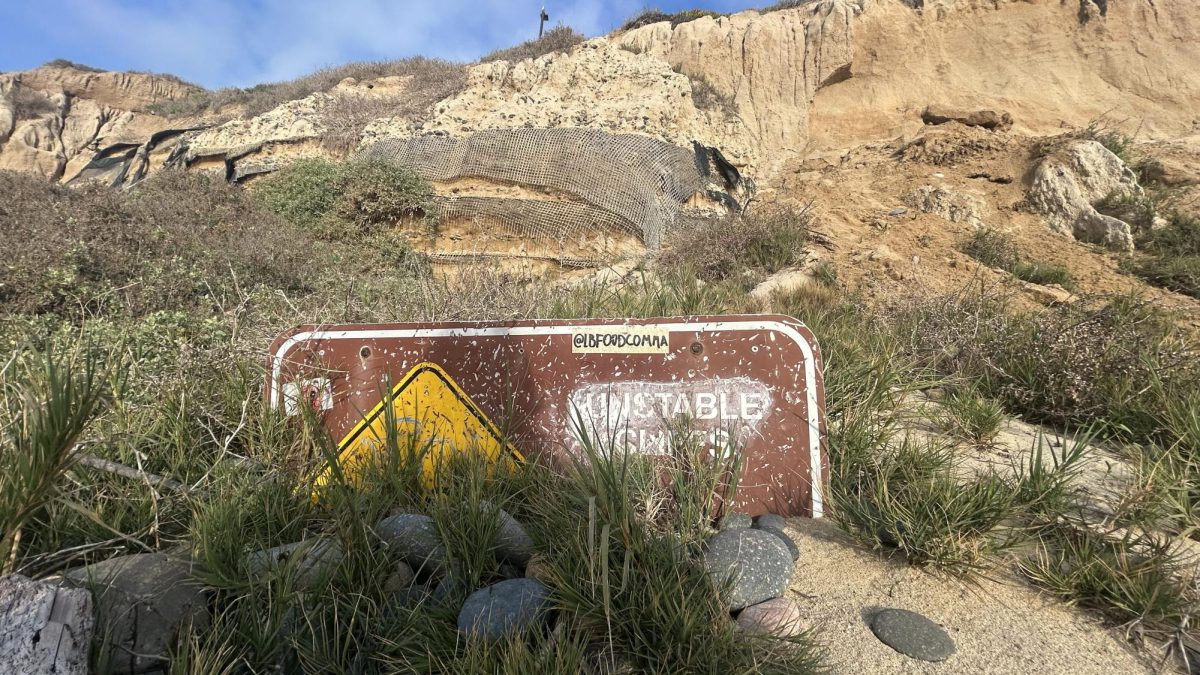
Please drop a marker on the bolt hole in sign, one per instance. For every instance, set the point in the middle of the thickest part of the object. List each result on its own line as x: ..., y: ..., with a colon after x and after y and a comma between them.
x: 522, y: 389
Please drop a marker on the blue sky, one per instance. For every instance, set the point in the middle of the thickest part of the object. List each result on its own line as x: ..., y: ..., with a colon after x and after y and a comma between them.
x: 218, y: 43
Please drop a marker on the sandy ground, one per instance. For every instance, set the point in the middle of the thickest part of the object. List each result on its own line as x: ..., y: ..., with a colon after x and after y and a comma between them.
x: 999, y: 625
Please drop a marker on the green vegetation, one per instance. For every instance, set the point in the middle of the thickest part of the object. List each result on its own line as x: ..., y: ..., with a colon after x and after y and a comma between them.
x: 136, y: 322
x: 1114, y: 140
x: 172, y: 244
x: 1172, y: 256
x: 46, y: 402
x: 337, y: 201
x: 1139, y: 582
x: 996, y: 249
x: 652, y: 16
x: 557, y: 39
x: 785, y: 4
x: 1116, y: 360
x: 970, y: 416
x: 624, y: 589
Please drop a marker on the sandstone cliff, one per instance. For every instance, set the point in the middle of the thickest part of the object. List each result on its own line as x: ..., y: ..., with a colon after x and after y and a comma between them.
x: 54, y: 119
x: 825, y: 74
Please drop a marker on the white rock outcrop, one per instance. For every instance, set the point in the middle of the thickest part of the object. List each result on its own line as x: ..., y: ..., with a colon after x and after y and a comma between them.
x: 956, y: 207
x: 1069, y: 183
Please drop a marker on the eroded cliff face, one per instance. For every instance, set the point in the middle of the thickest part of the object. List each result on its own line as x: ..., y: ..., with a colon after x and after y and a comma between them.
x: 1051, y: 64
x: 835, y: 73
x: 54, y: 119
x: 765, y: 88
x: 771, y: 65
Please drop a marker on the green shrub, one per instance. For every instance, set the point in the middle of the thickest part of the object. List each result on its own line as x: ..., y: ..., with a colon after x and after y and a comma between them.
x: 378, y: 193
x: 1070, y: 365
x: 1181, y: 237
x: 304, y: 192
x: 972, y: 417
x: 339, y: 201
x: 1044, y: 274
x: 173, y: 242
x: 1114, y: 140
x: 557, y: 39
x: 1180, y: 274
x: 1138, y: 210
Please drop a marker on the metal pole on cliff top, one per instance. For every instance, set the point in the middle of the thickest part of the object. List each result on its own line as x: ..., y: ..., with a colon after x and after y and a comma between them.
x: 542, y: 26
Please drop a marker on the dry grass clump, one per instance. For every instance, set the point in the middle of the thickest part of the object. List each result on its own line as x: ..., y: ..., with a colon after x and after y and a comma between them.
x: 707, y: 97
x: 432, y: 81
x: 30, y: 104
x: 786, y: 4
x: 557, y: 39
x: 65, y: 63
x: 996, y: 249
x: 745, y: 247
x: 651, y: 16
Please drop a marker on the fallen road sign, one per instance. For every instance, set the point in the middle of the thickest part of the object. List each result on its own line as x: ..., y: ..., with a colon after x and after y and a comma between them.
x: 517, y: 389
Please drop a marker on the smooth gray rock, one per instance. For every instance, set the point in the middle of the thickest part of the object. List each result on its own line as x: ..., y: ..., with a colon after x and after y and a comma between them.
x: 506, y: 608
x: 779, y: 617
x: 735, y: 521
x: 912, y: 634
x: 415, y: 540
x: 143, y: 602
x: 787, y: 541
x: 311, y: 562
x: 758, y: 564
x: 770, y: 520
x: 400, y: 579
x: 513, y: 543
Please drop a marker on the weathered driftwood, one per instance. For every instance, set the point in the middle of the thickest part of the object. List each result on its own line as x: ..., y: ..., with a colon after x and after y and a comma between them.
x: 44, y: 627
x: 132, y: 473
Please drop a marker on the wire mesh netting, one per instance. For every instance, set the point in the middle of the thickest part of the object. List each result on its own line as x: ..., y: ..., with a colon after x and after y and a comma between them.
x: 635, y: 183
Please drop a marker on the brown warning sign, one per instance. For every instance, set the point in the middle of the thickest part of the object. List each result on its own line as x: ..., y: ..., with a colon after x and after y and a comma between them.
x: 518, y: 389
